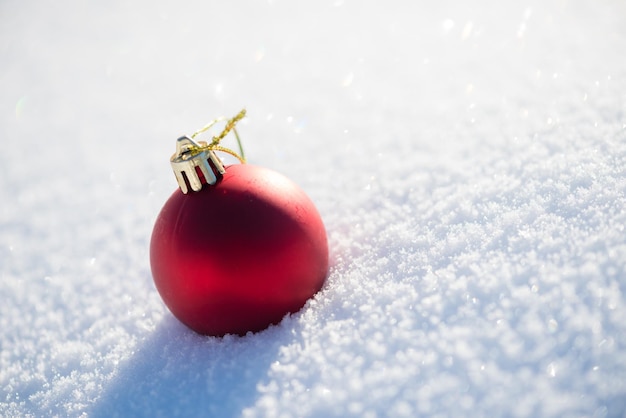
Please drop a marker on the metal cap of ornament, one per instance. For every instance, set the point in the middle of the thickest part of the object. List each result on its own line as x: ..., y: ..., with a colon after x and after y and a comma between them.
x: 194, y: 158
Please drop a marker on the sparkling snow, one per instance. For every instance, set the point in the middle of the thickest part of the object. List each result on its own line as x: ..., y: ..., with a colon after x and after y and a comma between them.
x: 468, y: 159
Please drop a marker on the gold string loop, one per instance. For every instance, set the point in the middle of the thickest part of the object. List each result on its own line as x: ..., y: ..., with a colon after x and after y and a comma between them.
x: 214, y: 145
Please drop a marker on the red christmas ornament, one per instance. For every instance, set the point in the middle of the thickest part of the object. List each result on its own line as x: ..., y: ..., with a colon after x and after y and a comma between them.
x: 240, y: 250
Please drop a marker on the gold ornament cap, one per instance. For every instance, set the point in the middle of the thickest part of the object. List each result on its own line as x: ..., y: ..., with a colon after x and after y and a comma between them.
x: 186, y: 160
x: 194, y: 158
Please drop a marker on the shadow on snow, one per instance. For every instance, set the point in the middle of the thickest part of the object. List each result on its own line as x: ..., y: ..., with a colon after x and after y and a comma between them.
x: 176, y: 372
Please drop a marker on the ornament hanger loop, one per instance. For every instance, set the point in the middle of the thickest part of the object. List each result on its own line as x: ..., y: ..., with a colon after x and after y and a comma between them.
x: 230, y: 126
x: 193, y: 160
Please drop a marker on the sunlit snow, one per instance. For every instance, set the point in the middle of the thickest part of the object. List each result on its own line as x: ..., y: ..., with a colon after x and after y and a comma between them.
x: 468, y: 160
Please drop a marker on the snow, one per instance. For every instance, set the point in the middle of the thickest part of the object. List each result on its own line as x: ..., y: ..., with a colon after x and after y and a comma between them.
x: 468, y: 160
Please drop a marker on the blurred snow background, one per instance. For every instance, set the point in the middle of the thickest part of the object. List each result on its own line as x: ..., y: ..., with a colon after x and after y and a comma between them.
x: 468, y: 159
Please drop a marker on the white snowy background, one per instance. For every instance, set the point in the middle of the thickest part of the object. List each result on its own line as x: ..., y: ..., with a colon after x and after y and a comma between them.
x: 468, y: 159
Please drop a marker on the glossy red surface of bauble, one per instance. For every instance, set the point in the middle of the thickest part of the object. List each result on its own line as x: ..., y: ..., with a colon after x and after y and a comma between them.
x: 239, y: 255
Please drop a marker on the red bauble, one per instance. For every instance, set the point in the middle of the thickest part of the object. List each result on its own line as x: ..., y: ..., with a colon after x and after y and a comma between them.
x: 237, y: 256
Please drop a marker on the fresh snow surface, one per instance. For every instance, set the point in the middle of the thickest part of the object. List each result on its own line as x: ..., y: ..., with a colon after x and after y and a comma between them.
x: 468, y: 160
